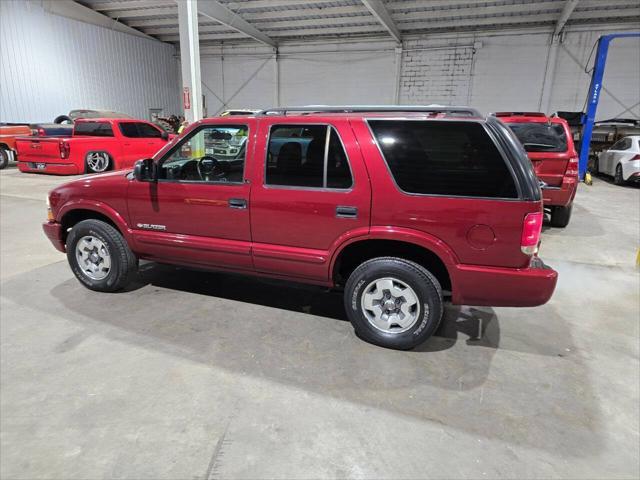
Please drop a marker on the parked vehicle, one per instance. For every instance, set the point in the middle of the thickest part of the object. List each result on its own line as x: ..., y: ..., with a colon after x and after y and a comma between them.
x: 51, y: 130
x: 400, y: 208
x: 621, y: 161
x: 549, y: 145
x: 84, y: 113
x: 96, y: 145
x: 8, y: 134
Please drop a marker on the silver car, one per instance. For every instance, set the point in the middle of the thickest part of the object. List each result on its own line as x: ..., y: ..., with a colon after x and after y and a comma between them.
x: 622, y: 160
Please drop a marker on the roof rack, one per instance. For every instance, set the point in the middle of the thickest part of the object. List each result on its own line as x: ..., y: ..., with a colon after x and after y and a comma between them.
x: 518, y: 114
x: 456, y: 111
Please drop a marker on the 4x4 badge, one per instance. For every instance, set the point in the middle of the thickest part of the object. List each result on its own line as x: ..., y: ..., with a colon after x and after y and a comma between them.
x: 151, y: 226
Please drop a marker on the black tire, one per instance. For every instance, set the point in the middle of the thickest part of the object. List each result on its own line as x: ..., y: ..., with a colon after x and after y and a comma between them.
x: 560, y: 216
x: 425, y: 286
x: 618, y: 179
x: 4, y: 158
x: 88, y: 168
x: 124, y: 263
x: 63, y: 119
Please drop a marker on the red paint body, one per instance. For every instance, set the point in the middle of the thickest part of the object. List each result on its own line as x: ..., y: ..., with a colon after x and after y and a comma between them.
x: 559, y: 170
x: 293, y: 233
x: 46, y: 151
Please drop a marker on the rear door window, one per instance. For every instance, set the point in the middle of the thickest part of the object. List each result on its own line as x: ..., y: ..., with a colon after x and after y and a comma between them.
x: 309, y: 156
x: 443, y: 158
x: 93, y: 129
x: 139, y: 130
x: 540, y: 137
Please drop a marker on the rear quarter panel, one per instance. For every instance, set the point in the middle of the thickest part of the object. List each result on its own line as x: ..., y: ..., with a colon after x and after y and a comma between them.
x: 456, y: 222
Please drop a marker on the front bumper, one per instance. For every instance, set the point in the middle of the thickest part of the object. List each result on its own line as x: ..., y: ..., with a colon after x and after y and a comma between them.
x: 49, y: 168
x: 54, y: 232
x: 503, y: 287
x: 560, y: 196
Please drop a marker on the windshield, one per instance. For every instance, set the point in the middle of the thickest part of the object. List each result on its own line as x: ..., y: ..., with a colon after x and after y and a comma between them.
x: 540, y: 137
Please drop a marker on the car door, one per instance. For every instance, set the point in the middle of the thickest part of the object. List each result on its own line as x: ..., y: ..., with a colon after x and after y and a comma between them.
x: 197, y: 210
x: 152, y: 137
x: 311, y: 192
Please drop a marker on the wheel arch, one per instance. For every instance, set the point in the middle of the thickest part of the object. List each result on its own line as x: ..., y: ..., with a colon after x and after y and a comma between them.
x: 428, y: 251
x: 70, y: 215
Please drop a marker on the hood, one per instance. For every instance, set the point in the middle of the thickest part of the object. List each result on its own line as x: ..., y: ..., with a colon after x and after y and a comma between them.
x: 105, y: 188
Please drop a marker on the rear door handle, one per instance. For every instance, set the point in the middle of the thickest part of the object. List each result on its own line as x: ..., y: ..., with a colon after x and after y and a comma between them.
x: 237, y: 203
x: 343, y: 211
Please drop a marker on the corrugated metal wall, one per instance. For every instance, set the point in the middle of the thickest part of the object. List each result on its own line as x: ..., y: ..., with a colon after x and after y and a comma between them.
x: 50, y: 65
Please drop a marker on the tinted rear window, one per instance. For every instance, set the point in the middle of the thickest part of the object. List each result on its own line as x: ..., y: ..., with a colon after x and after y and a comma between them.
x: 93, y: 129
x: 540, y: 137
x: 443, y: 158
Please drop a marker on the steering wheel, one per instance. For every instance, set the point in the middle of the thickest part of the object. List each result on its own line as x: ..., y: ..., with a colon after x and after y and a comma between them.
x: 209, y: 167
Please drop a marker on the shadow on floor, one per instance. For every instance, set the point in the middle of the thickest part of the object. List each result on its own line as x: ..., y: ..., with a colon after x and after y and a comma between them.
x: 299, y: 336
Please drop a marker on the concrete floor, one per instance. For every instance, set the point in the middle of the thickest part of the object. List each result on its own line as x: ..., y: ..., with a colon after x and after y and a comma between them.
x: 196, y: 375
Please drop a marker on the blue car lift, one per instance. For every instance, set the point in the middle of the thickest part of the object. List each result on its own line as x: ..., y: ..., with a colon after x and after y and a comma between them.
x: 594, y: 96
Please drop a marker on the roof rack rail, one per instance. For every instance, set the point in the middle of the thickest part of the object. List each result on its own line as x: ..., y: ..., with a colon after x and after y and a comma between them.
x: 453, y: 110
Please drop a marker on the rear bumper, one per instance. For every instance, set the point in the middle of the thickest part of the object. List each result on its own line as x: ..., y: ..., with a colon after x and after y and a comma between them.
x: 560, y: 196
x: 53, y: 231
x: 631, y: 170
x: 50, y: 168
x: 503, y: 287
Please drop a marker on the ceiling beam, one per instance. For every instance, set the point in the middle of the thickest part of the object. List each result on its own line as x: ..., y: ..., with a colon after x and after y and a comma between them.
x: 567, y: 10
x: 76, y: 11
x: 218, y: 12
x: 378, y: 10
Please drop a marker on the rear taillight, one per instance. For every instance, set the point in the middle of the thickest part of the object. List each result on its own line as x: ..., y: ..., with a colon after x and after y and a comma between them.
x: 636, y: 157
x: 572, y: 167
x: 64, y: 149
x: 531, y: 233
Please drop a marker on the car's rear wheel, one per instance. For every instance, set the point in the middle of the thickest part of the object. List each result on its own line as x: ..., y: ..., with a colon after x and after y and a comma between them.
x: 618, y: 179
x: 393, y: 302
x: 97, y: 162
x: 4, y: 158
x: 99, y: 256
x: 560, y: 216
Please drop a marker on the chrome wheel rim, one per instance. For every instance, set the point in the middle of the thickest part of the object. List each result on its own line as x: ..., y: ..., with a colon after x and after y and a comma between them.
x: 390, y: 305
x: 93, y: 257
x: 98, y: 162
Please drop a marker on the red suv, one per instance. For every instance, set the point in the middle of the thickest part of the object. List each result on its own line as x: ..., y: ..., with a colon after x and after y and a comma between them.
x: 399, y: 206
x: 549, y: 144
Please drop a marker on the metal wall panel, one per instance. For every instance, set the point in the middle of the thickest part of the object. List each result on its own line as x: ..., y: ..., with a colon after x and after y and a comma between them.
x: 51, y: 64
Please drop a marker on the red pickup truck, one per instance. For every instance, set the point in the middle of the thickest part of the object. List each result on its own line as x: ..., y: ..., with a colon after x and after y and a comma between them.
x: 400, y: 208
x: 96, y: 145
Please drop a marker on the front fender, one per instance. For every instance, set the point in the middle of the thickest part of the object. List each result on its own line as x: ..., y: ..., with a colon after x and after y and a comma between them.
x: 98, y: 207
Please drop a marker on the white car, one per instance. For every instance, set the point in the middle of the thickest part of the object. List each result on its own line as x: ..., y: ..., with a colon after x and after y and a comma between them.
x: 622, y: 160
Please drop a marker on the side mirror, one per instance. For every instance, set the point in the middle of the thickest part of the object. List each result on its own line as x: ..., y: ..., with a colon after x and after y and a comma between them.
x: 164, y: 136
x: 143, y: 170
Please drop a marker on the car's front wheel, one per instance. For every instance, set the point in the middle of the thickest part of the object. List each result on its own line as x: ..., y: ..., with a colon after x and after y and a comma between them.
x: 618, y: 179
x: 99, y: 256
x: 393, y: 302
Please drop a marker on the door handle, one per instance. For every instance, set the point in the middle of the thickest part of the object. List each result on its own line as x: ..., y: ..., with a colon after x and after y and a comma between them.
x: 237, y: 203
x: 343, y: 211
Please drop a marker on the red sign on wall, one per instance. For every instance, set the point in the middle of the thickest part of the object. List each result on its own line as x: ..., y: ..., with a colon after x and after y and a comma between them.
x: 186, y: 98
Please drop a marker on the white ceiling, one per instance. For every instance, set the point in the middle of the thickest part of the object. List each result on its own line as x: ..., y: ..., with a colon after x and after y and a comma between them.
x: 324, y: 19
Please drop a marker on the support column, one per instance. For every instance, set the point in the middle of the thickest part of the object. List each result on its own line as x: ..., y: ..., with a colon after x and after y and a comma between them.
x: 276, y: 74
x: 398, y: 61
x: 549, y: 76
x: 190, y: 60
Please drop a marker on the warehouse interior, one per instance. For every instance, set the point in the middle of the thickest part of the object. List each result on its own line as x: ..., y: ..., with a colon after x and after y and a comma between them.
x: 192, y: 373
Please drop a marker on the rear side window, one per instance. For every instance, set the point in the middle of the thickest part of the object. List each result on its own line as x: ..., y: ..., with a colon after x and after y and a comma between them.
x: 309, y: 156
x: 139, y: 130
x: 623, y: 144
x: 93, y: 129
x: 443, y: 158
x: 540, y: 137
